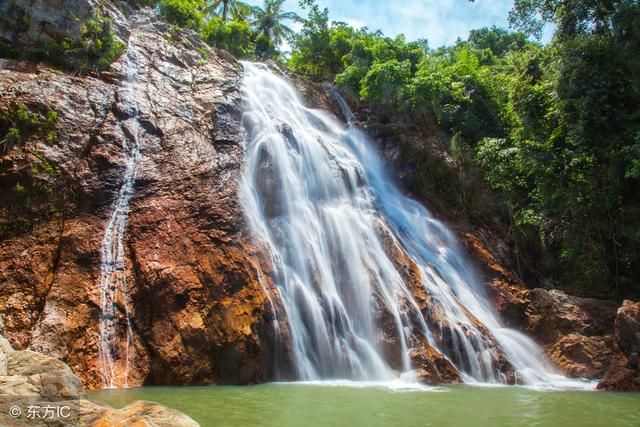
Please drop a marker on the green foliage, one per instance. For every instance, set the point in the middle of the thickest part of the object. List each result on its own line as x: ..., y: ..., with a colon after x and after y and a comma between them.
x: 143, y: 3
x: 319, y: 47
x: 270, y: 27
x: 17, y: 124
x: 571, y: 17
x: 233, y: 36
x: 98, y: 47
x: 253, y: 32
x: 184, y: 13
x: 385, y: 82
x: 237, y: 9
x: 498, y: 40
x: 555, y: 129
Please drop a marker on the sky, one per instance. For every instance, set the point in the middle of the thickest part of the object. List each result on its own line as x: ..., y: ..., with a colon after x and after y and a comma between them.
x: 441, y: 22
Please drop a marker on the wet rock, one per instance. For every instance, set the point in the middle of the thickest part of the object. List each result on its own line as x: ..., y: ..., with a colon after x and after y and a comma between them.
x: 624, y: 374
x: 620, y: 378
x: 508, y: 295
x: 432, y: 367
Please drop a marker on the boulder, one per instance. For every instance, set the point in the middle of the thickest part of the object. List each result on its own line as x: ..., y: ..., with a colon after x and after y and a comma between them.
x: 553, y: 314
x: 38, y: 25
x: 624, y: 375
x: 139, y: 413
x: 42, y: 381
x: 620, y: 378
x: 5, y: 346
x: 27, y: 363
x: 585, y: 357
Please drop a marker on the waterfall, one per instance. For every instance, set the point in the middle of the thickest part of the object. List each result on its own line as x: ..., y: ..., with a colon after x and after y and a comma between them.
x: 337, y: 228
x: 114, y: 297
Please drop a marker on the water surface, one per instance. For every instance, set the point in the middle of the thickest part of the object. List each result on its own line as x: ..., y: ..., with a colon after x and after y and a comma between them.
x: 311, y: 405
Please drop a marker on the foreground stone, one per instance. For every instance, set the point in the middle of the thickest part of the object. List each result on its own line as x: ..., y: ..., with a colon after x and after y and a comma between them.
x: 43, y: 383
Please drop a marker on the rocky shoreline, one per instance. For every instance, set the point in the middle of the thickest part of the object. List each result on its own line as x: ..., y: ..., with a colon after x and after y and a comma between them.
x: 36, y: 389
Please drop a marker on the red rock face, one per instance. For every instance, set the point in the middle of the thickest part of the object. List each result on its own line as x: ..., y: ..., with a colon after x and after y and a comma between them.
x: 197, y: 307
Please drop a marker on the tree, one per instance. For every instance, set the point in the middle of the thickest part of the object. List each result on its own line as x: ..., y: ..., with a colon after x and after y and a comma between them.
x: 269, y: 21
x: 235, y: 37
x: 571, y: 17
x: 498, y: 40
x: 239, y: 10
x: 385, y: 83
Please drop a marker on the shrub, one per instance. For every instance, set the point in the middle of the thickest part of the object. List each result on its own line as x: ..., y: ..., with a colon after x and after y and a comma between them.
x: 184, y: 13
x: 18, y: 124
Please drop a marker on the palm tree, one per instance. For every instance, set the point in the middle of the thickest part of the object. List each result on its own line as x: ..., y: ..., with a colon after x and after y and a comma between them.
x: 236, y: 8
x: 269, y: 20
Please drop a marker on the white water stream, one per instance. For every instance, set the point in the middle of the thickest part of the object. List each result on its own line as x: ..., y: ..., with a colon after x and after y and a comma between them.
x: 319, y: 197
x: 114, y: 322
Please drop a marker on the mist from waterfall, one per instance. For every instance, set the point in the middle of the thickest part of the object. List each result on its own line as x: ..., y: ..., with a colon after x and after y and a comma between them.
x: 114, y: 296
x: 318, y: 196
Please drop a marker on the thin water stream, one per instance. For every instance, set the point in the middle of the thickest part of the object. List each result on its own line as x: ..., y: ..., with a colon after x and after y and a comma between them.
x: 115, y: 321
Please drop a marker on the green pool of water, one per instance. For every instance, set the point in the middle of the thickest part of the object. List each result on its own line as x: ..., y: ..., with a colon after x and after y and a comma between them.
x: 321, y: 405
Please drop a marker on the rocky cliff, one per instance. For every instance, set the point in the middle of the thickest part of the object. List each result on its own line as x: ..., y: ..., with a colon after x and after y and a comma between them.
x: 197, y: 308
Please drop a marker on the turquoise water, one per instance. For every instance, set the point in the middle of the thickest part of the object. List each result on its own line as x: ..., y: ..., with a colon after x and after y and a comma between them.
x: 323, y: 405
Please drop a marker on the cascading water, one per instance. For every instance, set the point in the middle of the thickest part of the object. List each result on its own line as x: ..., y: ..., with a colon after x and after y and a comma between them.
x: 113, y: 279
x: 319, y: 198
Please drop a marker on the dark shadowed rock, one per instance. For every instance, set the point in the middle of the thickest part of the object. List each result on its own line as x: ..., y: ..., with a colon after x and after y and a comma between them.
x: 627, y: 328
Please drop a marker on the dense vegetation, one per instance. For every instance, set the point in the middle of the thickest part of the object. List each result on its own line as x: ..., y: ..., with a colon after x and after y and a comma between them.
x: 555, y: 129
x: 246, y: 31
